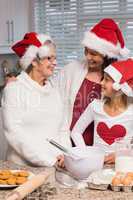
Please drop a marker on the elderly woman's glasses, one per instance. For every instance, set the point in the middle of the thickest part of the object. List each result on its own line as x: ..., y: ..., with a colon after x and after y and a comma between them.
x: 51, y: 58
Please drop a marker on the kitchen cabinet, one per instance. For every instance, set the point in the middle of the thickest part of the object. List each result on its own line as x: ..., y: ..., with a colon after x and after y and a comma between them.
x: 14, y: 22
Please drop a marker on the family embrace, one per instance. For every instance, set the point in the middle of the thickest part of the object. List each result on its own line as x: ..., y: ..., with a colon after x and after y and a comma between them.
x: 89, y: 102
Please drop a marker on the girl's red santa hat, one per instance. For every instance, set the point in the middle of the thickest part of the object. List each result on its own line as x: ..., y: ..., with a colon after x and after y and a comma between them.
x: 30, y: 46
x: 122, y: 74
x: 106, y: 38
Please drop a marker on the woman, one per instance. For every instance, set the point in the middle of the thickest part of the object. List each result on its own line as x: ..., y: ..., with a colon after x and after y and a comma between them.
x: 79, y: 81
x: 32, y: 107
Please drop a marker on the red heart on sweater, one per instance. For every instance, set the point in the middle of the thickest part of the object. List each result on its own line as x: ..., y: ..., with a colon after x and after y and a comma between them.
x: 110, y: 134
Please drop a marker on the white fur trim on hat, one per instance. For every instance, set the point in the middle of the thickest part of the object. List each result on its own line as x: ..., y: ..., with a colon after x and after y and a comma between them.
x: 92, y: 41
x: 124, y: 87
x: 114, y: 73
x: 43, y: 38
x: 125, y: 52
x: 31, y: 54
x: 44, y: 51
x: 116, y: 76
x: 116, y: 86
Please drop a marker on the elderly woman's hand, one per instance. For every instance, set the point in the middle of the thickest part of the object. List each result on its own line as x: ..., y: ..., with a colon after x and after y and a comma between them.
x: 110, y: 158
x: 9, y: 79
x: 60, y: 161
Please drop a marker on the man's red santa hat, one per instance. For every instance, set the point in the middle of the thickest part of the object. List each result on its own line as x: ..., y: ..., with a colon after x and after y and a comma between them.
x: 122, y: 74
x: 30, y: 46
x: 106, y: 38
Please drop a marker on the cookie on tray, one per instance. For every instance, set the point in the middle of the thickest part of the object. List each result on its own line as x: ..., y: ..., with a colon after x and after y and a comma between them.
x: 15, y: 173
x: 5, y: 172
x: 23, y: 173
x: 4, y: 176
x: 13, y: 177
x: 11, y: 181
x: 20, y: 180
x: 3, y: 182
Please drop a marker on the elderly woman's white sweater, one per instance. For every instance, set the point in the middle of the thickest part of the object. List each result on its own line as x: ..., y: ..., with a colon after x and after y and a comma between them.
x: 31, y: 114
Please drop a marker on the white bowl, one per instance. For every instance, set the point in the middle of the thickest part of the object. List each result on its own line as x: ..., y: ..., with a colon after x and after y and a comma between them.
x: 92, y: 160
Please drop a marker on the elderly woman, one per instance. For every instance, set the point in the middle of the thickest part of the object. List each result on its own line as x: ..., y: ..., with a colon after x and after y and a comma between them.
x: 32, y: 107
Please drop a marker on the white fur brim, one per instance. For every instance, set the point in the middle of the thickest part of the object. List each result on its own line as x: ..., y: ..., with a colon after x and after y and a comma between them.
x: 113, y: 73
x: 43, y: 38
x: 116, y: 76
x: 92, y: 41
x: 125, y: 53
x: 124, y: 87
x: 31, y: 54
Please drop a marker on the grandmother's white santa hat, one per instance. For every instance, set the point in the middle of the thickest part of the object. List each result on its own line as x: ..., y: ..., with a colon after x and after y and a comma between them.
x: 106, y: 38
x: 30, y: 46
x: 122, y: 74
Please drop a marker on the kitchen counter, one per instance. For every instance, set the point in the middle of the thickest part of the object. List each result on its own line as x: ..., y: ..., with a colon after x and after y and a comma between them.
x: 51, y: 190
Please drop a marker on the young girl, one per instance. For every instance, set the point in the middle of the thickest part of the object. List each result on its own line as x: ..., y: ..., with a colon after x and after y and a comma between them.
x: 113, y: 115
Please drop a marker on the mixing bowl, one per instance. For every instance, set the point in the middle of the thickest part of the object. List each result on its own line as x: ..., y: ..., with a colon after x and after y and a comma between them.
x: 92, y: 159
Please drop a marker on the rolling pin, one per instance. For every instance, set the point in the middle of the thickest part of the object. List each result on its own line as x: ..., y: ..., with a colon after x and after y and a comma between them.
x: 29, y: 186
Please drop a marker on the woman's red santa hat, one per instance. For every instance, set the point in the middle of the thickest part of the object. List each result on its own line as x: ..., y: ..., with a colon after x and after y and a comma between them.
x: 106, y: 38
x: 122, y: 74
x: 30, y: 46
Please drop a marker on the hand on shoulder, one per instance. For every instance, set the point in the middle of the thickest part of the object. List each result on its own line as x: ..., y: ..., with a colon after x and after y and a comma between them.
x: 10, y: 79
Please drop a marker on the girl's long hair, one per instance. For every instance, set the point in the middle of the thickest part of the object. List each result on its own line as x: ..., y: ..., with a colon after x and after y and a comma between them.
x: 124, y: 99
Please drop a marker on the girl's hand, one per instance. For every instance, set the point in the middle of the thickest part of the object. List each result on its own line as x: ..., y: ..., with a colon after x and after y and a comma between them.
x: 60, y: 161
x: 110, y: 158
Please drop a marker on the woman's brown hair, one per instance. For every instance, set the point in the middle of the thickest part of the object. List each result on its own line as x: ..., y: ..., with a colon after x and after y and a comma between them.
x: 107, y: 61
